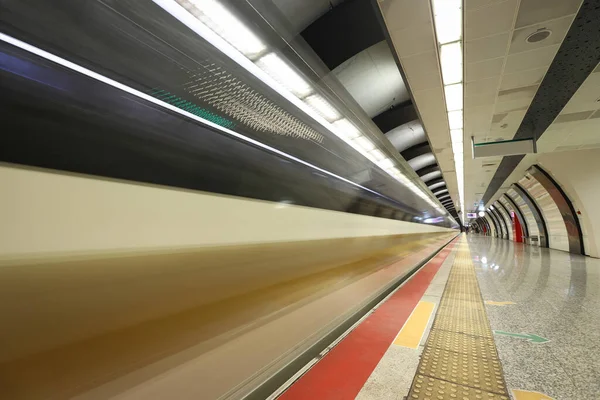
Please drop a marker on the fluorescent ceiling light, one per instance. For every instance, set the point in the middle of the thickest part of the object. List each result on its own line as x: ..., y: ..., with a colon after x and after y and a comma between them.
x: 221, y: 28
x: 455, y: 119
x: 281, y: 71
x: 456, y: 136
x: 448, y: 20
x: 364, y: 143
x: 457, y: 148
x: 346, y: 129
x: 451, y: 61
x: 225, y: 24
x: 454, y: 97
x: 320, y: 105
x: 117, y: 85
x: 378, y: 155
x: 387, y: 163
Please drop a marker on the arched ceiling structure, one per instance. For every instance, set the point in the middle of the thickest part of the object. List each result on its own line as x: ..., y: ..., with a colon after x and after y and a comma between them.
x: 349, y: 38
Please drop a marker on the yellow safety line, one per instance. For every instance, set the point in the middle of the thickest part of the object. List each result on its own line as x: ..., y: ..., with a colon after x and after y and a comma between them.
x: 527, y: 395
x: 411, y: 333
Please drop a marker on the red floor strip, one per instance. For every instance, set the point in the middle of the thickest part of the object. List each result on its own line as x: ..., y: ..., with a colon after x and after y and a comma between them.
x: 342, y: 373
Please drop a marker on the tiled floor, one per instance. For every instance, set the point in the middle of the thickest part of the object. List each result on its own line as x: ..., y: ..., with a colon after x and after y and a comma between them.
x: 557, y: 297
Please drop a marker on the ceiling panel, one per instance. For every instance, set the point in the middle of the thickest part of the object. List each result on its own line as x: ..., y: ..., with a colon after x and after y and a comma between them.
x: 537, y: 58
x: 498, y: 17
x: 486, y: 48
x: 482, y: 100
x: 497, y: 114
x: 400, y: 14
x: 411, y: 30
x: 482, y: 87
x: 536, y: 11
x: 587, y: 97
x: 558, y: 29
x: 423, y: 70
x: 519, y: 93
x: 523, y: 78
x: 484, y: 69
x: 414, y: 39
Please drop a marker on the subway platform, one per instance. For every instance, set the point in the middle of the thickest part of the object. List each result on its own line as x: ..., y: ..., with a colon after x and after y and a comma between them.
x: 488, y: 319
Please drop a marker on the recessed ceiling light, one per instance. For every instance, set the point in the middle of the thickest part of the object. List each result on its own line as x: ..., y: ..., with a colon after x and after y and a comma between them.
x: 539, y: 35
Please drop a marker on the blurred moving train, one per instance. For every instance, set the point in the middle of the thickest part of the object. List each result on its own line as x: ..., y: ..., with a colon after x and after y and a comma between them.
x: 156, y: 245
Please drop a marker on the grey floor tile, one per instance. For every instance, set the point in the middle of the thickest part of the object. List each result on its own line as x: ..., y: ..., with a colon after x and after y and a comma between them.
x: 576, y: 360
x: 588, y: 384
x: 558, y: 297
x: 533, y: 367
x: 393, y: 375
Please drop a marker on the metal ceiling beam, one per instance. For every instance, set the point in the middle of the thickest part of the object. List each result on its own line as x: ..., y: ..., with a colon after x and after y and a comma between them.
x: 416, y: 150
x: 428, y: 169
x: 344, y: 31
x: 577, y: 57
x: 396, y: 116
x: 434, y: 181
x: 438, y: 185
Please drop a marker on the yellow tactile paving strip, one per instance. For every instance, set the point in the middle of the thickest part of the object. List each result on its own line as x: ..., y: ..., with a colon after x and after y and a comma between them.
x: 460, y: 360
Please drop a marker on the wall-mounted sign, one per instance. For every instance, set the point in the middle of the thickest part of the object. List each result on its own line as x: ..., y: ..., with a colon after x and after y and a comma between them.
x: 471, y: 215
x: 503, y: 148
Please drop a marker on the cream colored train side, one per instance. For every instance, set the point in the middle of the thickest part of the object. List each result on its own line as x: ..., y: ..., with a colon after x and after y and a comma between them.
x: 120, y: 290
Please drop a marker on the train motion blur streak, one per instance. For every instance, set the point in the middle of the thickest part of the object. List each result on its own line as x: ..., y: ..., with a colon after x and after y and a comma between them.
x: 151, y: 252
x: 158, y: 280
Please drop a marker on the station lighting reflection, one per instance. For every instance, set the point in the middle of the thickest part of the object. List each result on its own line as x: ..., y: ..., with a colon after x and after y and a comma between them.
x: 219, y: 24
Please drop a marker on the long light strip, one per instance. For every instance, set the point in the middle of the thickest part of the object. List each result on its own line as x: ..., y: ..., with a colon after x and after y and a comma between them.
x: 101, y: 78
x: 448, y: 27
x: 94, y: 75
x: 266, y: 66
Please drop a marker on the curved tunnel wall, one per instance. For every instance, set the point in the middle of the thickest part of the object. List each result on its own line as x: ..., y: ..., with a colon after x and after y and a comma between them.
x: 497, y: 224
x: 560, y: 204
x: 486, y: 223
x: 535, y: 223
x: 503, y: 212
x: 577, y: 174
x: 557, y: 232
x: 511, y: 206
x: 544, y: 201
x: 491, y: 225
x: 480, y: 226
x: 501, y: 222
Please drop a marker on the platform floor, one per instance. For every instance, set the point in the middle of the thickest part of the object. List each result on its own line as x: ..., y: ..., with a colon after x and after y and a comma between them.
x: 541, y: 314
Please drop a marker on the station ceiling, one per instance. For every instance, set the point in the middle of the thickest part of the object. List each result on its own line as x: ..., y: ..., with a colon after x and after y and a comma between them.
x: 351, y: 38
x: 530, y: 70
